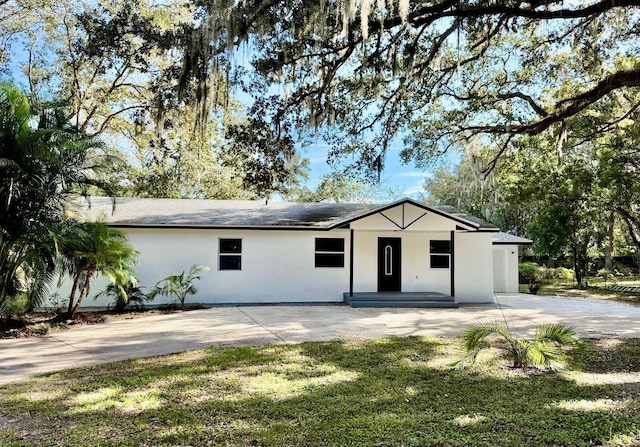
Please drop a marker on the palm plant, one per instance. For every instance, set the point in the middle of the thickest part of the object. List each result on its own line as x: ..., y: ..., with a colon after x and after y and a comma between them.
x: 43, y: 168
x: 543, y: 351
x: 125, y: 295
x: 179, y: 285
x: 94, y: 248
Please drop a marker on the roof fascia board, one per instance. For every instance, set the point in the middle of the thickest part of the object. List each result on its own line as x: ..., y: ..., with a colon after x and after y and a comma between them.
x: 218, y: 227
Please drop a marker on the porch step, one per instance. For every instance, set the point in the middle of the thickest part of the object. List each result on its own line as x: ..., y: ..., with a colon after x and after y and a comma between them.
x: 412, y: 304
x: 398, y: 299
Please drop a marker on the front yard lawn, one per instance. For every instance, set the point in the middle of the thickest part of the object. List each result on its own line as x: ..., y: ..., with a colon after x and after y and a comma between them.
x: 597, y: 289
x: 390, y: 392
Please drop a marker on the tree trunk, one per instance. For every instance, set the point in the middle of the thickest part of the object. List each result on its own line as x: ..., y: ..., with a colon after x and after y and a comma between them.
x: 72, y: 295
x: 580, y: 263
x: 608, y: 250
x: 576, y: 266
x: 12, y: 268
x: 85, y: 291
x: 574, y: 252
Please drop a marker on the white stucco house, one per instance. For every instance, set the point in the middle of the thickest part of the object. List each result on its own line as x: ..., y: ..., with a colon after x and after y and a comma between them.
x: 401, y: 254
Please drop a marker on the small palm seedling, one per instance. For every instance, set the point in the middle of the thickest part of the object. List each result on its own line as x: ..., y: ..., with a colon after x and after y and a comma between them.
x: 544, y: 350
x: 179, y: 285
x: 126, y: 295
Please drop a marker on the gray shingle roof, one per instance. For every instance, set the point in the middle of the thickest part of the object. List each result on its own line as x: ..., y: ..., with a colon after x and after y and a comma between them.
x: 243, y: 213
x: 509, y: 239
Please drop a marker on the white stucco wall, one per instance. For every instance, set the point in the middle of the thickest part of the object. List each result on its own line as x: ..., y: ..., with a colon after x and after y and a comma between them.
x: 277, y: 266
x: 499, y: 270
x: 416, y: 274
x: 505, y: 268
x: 474, y: 268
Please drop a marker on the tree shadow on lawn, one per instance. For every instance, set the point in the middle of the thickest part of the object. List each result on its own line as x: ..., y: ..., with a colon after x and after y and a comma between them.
x: 396, y: 391
x: 616, y: 355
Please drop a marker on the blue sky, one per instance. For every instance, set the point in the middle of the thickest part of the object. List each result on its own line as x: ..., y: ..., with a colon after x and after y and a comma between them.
x: 406, y: 180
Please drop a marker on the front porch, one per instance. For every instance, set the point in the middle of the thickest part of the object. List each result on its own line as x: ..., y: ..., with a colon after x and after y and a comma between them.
x: 400, y: 299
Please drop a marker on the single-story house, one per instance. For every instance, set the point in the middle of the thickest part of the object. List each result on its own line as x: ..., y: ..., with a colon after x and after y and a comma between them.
x: 401, y: 253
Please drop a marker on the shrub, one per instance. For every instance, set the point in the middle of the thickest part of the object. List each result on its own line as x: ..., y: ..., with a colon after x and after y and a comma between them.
x: 528, y: 270
x: 57, y: 303
x: 550, y: 275
x: 536, y: 276
x: 530, y: 273
x: 179, y: 285
x: 565, y: 274
x: 15, y: 306
x: 543, y: 351
x: 606, y: 275
x: 128, y: 295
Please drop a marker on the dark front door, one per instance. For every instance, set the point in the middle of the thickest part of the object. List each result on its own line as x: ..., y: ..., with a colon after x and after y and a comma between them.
x: 389, y: 264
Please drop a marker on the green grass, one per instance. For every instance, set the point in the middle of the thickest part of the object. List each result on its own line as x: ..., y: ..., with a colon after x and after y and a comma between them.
x: 597, y: 289
x: 391, y: 392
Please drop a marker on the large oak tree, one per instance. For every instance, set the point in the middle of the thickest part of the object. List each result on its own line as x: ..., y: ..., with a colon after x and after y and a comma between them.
x: 437, y: 73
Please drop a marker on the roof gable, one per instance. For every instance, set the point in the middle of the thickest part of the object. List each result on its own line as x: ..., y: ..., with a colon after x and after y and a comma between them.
x: 466, y: 221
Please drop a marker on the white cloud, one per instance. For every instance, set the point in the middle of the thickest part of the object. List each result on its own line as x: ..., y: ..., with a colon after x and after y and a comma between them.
x: 413, y: 174
x: 411, y: 190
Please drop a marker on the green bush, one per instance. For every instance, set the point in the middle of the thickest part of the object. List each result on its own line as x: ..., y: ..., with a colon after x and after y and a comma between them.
x: 536, y: 276
x: 16, y: 306
x: 549, y: 275
x: 606, y: 275
x: 565, y: 274
x: 530, y: 272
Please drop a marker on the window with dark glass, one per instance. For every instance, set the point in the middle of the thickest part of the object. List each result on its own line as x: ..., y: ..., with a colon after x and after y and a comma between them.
x: 230, y: 254
x: 440, y: 254
x: 329, y: 252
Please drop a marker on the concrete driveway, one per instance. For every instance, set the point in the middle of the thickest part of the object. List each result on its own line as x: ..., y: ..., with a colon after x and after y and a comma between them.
x: 258, y: 325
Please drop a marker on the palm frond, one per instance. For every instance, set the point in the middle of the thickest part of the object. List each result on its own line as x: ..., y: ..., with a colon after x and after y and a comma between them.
x: 556, y: 333
x: 546, y: 355
x: 475, y: 333
x: 543, y: 351
x: 179, y: 285
x: 467, y: 360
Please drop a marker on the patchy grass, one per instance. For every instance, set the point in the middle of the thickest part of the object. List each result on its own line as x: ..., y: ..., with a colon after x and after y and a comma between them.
x: 597, y: 289
x: 390, y: 392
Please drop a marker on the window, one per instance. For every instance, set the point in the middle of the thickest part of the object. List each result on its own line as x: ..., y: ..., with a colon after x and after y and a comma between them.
x: 329, y: 252
x: 440, y: 253
x: 230, y: 254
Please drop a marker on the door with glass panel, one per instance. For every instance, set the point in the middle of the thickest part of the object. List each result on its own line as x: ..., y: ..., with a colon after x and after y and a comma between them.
x: 389, y: 268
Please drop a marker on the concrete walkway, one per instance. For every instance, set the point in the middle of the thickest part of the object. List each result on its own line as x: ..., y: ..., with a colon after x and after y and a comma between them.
x: 258, y: 325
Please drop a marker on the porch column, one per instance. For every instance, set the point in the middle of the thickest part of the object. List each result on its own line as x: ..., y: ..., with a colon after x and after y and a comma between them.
x: 351, y: 262
x: 452, y: 268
